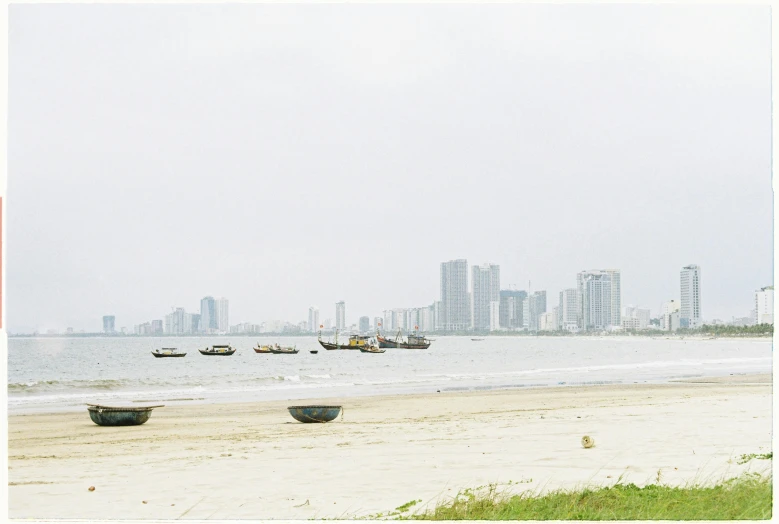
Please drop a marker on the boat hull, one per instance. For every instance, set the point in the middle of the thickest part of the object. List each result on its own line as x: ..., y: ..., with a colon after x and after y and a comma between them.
x: 331, y: 346
x: 159, y: 355
x: 104, y: 416
x: 284, y: 352
x: 214, y: 353
x: 258, y: 350
x: 387, y: 343
x: 310, y: 414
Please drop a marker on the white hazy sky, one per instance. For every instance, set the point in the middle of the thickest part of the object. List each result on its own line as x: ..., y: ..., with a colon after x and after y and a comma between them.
x: 284, y: 156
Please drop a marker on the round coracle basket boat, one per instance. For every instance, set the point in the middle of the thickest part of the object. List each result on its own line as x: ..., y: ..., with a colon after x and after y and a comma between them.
x: 119, y: 416
x: 314, y: 413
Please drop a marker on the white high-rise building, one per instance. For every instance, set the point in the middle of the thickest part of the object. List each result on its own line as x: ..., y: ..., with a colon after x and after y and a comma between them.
x: 526, y: 313
x: 455, y: 307
x: 594, y: 289
x: 340, y: 315
x: 764, y: 305
x: 313, y: 319
x: 690, y: 310
x: 222, y: 315
x: 485, y: 283
x: 616, y: 296
x: 569, y: 310
x: 179, y: 322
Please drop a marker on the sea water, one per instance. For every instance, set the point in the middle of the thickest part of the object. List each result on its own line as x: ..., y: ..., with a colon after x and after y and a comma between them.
x: 53, y: 374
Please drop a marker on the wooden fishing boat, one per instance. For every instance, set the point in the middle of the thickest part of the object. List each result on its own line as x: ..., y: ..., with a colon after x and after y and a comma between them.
x: 314, y: 351
x: 355, y: 342
x: 413, y: 342
x: 168, y: 352
x: 218, y: 350
x: 119, y: 416
x: 278, y: 350
x: 314, y: 413
x: 372, y: 349
x: 262, y: 349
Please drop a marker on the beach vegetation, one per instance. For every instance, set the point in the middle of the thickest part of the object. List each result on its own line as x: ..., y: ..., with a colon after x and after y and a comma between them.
x: 743, y: 459
x: 748, y: 497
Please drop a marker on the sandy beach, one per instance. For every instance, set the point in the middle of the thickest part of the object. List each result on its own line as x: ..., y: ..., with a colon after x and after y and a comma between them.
x: 252, y: 460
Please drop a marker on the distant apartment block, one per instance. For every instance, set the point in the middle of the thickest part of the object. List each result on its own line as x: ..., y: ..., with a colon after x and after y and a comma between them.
x: 340, y: 315
x: 485, y: 284
x: 365, y: 324
x: 510, y: 309
x: 109, y: 324
x: 764, y: 305
x: 637, y: 318
x: 179, y: 322
x: 313, y: 319
x: 547, y: 321
x: 536, y: 308
x: 377, y: 323
x: 208, y: 315
x: 616, y: 296
x: 690, y: 310
x: 595, y: 298
x: 455, y: 306
x: 670, y: 316
x: 569, y: 310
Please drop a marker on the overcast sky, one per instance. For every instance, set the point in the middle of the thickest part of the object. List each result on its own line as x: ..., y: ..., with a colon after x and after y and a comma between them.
x: 284, y: 156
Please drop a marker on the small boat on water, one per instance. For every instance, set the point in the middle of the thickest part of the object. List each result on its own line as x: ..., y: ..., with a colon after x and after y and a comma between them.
x: 372, y: 349
x: 168, y: 352
x: 278, y: 350
x: 355, y: 342
x: 262, y: 349
x: 314, y: 351
x: 413, y: 342
x: 477, y: 339
x: 218, y: 350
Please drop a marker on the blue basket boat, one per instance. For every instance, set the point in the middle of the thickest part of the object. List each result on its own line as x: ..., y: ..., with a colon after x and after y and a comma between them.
x: 116, y: 416
x: 314, y: 413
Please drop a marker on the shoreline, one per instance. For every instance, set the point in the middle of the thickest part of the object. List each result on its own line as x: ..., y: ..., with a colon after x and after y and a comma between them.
x: 408, y: 392
x: 252, y: 460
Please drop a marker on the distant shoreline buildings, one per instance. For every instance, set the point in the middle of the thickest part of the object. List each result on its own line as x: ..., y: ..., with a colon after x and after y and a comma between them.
x: 479, y: 305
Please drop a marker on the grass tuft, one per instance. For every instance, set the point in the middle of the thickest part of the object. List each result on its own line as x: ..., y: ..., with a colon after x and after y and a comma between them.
x: 746, y: 497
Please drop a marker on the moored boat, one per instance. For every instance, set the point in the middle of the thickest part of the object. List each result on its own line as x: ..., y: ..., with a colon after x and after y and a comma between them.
x: 119, y: 416
x: 218, y: 350
x: 372, y: 349
x: 355, y: 342
x: 283, y: 351
x: 262, y: 349
x: 413, y: 342
x: 168, y: 352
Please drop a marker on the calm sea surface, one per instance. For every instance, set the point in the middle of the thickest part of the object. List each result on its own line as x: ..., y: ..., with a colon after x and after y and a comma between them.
x: 52, y: 374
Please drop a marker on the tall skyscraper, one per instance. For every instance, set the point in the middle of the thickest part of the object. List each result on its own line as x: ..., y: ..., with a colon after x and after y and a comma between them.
x: 595, y: 297
x: 195, y: 322
x: 208, y: 315
x: 222, y: 315
x: 340, y: 315
x: 690, y: 309
x: 485, y: 283
x: 511, y: 308
x: 537, y: 307
x: 313, y: 319
x: 764, y: 305
x: 365, y: 324
x: 109, y: 324
x: 376, y: 323
x: 569, y: 310
x: 455, y: 308
x: 616, y: 296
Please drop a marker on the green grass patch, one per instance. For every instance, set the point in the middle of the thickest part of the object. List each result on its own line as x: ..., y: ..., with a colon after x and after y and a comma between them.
x: 747, y: 497
x: 743, y: 459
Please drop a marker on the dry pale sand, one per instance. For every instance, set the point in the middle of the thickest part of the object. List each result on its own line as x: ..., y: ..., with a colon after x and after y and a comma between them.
x: 253, y: 461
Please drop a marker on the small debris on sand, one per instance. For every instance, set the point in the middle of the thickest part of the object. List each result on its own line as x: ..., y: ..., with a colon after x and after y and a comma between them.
x: 91, y: 488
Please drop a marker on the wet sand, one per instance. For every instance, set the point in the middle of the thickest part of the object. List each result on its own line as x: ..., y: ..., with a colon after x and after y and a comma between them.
x: 252, y: 460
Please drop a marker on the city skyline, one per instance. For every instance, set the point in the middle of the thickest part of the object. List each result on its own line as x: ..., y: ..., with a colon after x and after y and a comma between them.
x: 588, y: 307
x: 518, y: 134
